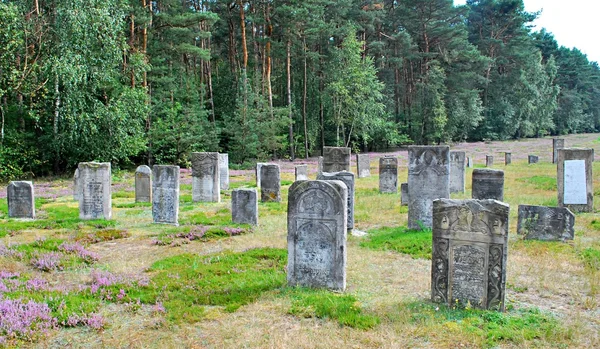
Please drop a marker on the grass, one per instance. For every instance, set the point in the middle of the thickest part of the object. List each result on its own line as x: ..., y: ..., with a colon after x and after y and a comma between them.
x: 541, y: 182
x: 591, y: 258
x: 100, y: 235
x: 416, y: 243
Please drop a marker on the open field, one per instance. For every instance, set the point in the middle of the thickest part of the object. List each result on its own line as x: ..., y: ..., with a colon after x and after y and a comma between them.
x: 130, y: 283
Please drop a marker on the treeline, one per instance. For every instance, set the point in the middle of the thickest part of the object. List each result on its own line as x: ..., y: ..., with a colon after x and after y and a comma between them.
x: 144, y: 81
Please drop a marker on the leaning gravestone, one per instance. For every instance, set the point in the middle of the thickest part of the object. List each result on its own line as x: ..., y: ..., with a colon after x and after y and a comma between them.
x: 388, y: 175
x: 95, y: 194
x: 575, y: 181
x: 336, y: 159
x: 21, y: 199
x: 143, y: 184
x: 468, y: 264
x: 428, y: 179
x: 259, y: 165
x: 487, y: 184
x: 457, y: 171
x: 363, y: 165
x: 301, y: 172
x: 270, y: 183
x: 224, y: 171
x: 546, y: 223
x: 76, y: 185
x: 489, y: 161
x: 244, y: 206
x: 348, y: 179
x: 533, y: 159
x: 557, y: 143
x: 404, y: 194
x: 165, y: 190
x: 317, y: 234
x: 507, y: 158
x: 206, y: 178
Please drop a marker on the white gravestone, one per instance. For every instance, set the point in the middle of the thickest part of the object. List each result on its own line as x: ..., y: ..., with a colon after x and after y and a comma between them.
x: 575, y: 182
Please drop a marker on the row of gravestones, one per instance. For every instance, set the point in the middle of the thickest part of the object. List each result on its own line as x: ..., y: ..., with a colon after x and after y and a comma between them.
x: 557, y: 143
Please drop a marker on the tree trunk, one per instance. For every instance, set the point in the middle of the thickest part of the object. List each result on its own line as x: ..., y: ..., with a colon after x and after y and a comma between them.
x: 243, y: 31
x: 55, y: 124
x: 304, y: 100
x: 289, y: 97
x: 268, y: 59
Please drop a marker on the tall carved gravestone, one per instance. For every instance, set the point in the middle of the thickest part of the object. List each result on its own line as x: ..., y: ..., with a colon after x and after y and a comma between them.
x: 95, y: 190
x: 457, y: 171
x: 143, y: 184
x: 206, y: 178
x: 489, y: 161
x: 224, y: 171
x: 546, y: 223
x: 21, y: 199
x: 487, y: 184
x: 428, y: 179
x: 165, y: 190
x: 404, y: 194
x: 301, y: 172
x: 336, y: 159
x: 533, y: 159
x: 388, y: 175
x: 76, y: 185
x: 575, y: 181
x: 259, y: 165
x: 348, y: 179
x: 363, y: 165
x: 244, y: 206
x: 468, y: 264
x: 317, y: 234
x: 557, y: 143
x: 270, y: 183
x: 507, y: 158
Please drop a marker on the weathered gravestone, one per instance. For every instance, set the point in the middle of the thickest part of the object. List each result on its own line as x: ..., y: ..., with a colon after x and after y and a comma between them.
x: 348, y: 179
x: 457, y: 171
x: 143, y: 184
x: 470, y: 162
x: 301, y: 172
x: 206, y: 178
x: 468, y: 264
x: 224, y: 171
x: 95, y: 190
x: 76, y: 185
x: 244, y: 206
x: 489, y: 161
x: 165, y: 194
x: 21, y: 199
x: 317, y: 234
x: 575, y: 181
x: 363, y: 165
x: 336, y: 159
x: 507, y: 158
x: 546, y: 223
x: 270, y: 183
x: 388, y: 175
x: 487, y: 184
x: 428, y: 179
x: 404, y: 194
x: 259, y: 165
x: 557, y: 143
x: 533, y: 159
x: 320, y: 164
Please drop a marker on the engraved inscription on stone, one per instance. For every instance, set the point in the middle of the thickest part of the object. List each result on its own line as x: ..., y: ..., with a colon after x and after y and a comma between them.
x: 224, y: 171
x: 336, y: 159
x: 388, y: 175
x: 469, y: 274
x: 21, y: 199
x: 244, y: 206
x: 206, y: 177
x: 363, y: 165
x: 575, y: 182
x: 165, y: 198
x: 301, y: 172
x: 348, y: 179
x: 457, y: 171
x: 270, y: 183
x: 143, y: 184
x: 575, y: 179
x: 546, y: 223
x: 95, y: 194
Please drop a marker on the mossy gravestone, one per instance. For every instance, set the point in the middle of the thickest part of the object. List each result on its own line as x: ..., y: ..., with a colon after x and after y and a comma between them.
x: 165, y: 190
x: 388, y: 175
x: 143, y: 184
x: 546, y: 223
x: 336, y: 159
x: 95, y: 190
x: 206, y: 178
x: 21, y: 199
x: 244, y: 206
x: 270, y: 183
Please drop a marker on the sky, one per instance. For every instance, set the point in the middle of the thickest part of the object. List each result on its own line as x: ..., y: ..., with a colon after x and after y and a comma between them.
x: 574, y: 23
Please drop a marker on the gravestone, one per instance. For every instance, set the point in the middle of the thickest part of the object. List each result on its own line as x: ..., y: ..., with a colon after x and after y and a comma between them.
x: 259, y: 165
x: 95, y: 190
x: 533, y: 159
x: 468, y: 264
x: 404, y: 194
x: 348, y: 179
x: 428, y: 179
x: 574, y: 179
x: 507, y: 158
x: 320, y: 165
x: 546, y: 223
x: 317, y: 234
x: 336, y: 159
x: 76, y: 185
x: 244, y: 206
x: 143, y: 184
x: 206, y: 177
x: 224, y: 171
x: 470, y: 162
x: 557, y: 143
x: 21, y: 199
x: 388, y: 175
x: 363, y: 165
x: 270, y: 183
x: 457, y: 171
x: 489, y: 161
x: 487, y: 184
x: 301, y: 172
x: 165, y: 190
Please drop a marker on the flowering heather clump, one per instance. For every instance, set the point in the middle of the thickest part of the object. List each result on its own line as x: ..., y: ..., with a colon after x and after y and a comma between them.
x: 93, y: 320
x: 80, y: 251
x: 19, y: 320
x: 195, y: 233
x: 36, y: 284
x: 47, y: 262
x: 10, y: 253
x: 234, y: 231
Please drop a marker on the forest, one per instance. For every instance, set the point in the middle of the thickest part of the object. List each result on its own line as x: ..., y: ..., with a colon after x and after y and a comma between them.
x: 141, y: 81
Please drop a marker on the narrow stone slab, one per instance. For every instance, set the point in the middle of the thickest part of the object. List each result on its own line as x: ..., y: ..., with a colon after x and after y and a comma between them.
x: 244, y: 206
x: 468, y: 264
x: 336, y: 159
x: 470, y: 162
x: 546, y: 223
x: 259, y: 165
x: 348, y: 179
x: 574, y: 179
x: 489, y: 161
x: 363, y: 165
x: 533, y: 159
x: 404, y: 194
x: 206, y: 177
x: 507, y: 158
x: 301, y: 172
x: 388, y: 175
x: 21, y: 199
x: 317, y: 234
x: 428, y: 179
x: 95, y: 195
x: 76, y: 185
x: 165, y: 198
x: 320, y: 165
x: 557, y: 143
x: 270, y: 183
x: 224, y: 171
x: 487, y: 184
x: 143, y: 184
x: 457, y: 171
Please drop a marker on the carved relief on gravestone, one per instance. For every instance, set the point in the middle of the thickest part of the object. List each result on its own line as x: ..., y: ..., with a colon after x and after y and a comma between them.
x: 206, y: 177
x: 428, y: 179
x: 404, y: 194
x: 546, y: 223
x: 244, y: 206
x: 143, y: 184
x: 533, y: 159
x: 470, y: 239
x: 457, y: 171
x: 487, y: 184
x: 336, y: 159
x: 363, y: 165
x: 507, y: 158
x: 21, y: 199
x: 348, y: 179
x: 557, y: 143
x: 317, y: 234
x: 575, y: 180
x: 165, y: 198
x: 95, y: 190
x: 388, y: 175
x: 301, y: 172
x: 489, y: 161
x: 224, y: 171
x: 270, y: 183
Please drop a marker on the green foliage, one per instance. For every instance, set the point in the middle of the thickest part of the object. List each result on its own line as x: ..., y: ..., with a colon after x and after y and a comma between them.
x: 417, y: 244
x: 591, y: 258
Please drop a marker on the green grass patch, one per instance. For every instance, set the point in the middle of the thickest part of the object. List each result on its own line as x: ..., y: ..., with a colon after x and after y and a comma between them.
x: 121, y: 194
x: 591, y: 258
x: 286, y: 182
x: 541, y: 182
x: 221, y: 217
x: 100, y: 235
x: 272, y: 208
x: 132, y: 204
x: 595, y: 224
x: 416, y: 243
